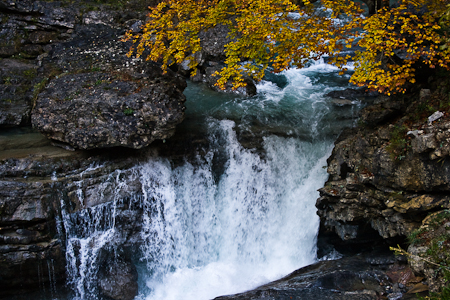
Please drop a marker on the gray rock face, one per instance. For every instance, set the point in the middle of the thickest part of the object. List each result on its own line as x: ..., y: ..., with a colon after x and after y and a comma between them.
x: 27, y: 240
x: 347, y: 278
x: 17, y: 79
x: 101, y: 98
x: 57, y: 39
x: 119, y: 280
x: 383, y: 180
x: 32, y: 237
x: 69, y: 65
x: 97, y: 110
x: 27, y: 30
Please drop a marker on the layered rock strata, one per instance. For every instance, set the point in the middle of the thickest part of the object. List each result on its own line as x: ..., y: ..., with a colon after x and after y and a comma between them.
x: 389, y: 173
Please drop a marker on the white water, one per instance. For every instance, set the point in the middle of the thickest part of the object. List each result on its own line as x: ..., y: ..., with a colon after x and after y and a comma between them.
x: 255, y: 225
x: 232, y: 219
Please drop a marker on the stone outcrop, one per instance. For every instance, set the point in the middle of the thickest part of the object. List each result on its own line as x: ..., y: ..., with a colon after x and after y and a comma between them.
x: 101, y: 98
x: 63, y: 66
x: 27, y: 30
x: 429, y: 249
x: 33, y: 191
x: 359, y: 277
x: 119, y: 280
x: 99, y: 110
x: 68, y: 63
x: 17, y: 79
x: 47, y: 194
x: 388, y: 173
x: 31, y: 252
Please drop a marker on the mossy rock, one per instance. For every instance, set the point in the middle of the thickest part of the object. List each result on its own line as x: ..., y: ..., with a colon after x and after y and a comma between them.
x: 430, y: 249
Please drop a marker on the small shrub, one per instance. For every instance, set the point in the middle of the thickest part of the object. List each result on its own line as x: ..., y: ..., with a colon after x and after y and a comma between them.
x: 128, y: 111
x: 398, y: 143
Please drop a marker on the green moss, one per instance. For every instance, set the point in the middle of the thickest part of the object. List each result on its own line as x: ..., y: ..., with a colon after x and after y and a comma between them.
x: 4, y: 19
x: 128, y: 111
x: 30, y: 73
x: 398, y: 142
x: 38, y: 88
x: 95, y: 69
x: 435, y: 235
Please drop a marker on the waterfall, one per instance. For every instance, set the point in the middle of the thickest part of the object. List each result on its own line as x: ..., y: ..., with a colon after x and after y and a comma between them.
x: 256, y: 223
x: 231, y: 218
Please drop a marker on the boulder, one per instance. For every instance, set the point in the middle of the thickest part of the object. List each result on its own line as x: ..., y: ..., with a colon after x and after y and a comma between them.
x: 99, y: 110
x: 118, y: 281
x: 387, y: 174
x: 101, y: 98
x: 346, y: 278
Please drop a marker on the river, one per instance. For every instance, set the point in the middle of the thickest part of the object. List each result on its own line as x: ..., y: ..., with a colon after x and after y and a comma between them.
x: 238, y: 214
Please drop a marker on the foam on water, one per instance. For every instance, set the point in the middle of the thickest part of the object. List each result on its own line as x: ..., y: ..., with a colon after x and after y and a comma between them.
x: 255, y: 225
x: 231, y: 219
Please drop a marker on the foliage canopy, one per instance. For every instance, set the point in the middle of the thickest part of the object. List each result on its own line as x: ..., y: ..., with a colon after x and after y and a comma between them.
x: 280, y: 34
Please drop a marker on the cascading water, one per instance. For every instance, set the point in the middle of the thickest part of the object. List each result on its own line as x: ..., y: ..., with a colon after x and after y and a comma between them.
x: 236, y: 216
x: 205, y: 238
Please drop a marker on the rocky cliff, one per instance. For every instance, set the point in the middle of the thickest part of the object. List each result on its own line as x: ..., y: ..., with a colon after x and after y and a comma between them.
x: 390, y: 172
x: 66, y: 72
x: 63, y: 70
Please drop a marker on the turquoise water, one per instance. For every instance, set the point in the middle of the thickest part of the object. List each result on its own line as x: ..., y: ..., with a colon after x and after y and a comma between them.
x: 240, y: 212
x: 256, y: 221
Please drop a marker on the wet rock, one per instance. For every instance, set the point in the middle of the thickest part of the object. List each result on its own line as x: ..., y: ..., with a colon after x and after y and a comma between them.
x: 27, y: 243
x: 346, y: 278
x: 351, y: 94
x: 97, y: 110
x: 16, y: 91
x: 40, y: 264
x: 119, y: 280
x: 342, y: 102
x: 43, y: 42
